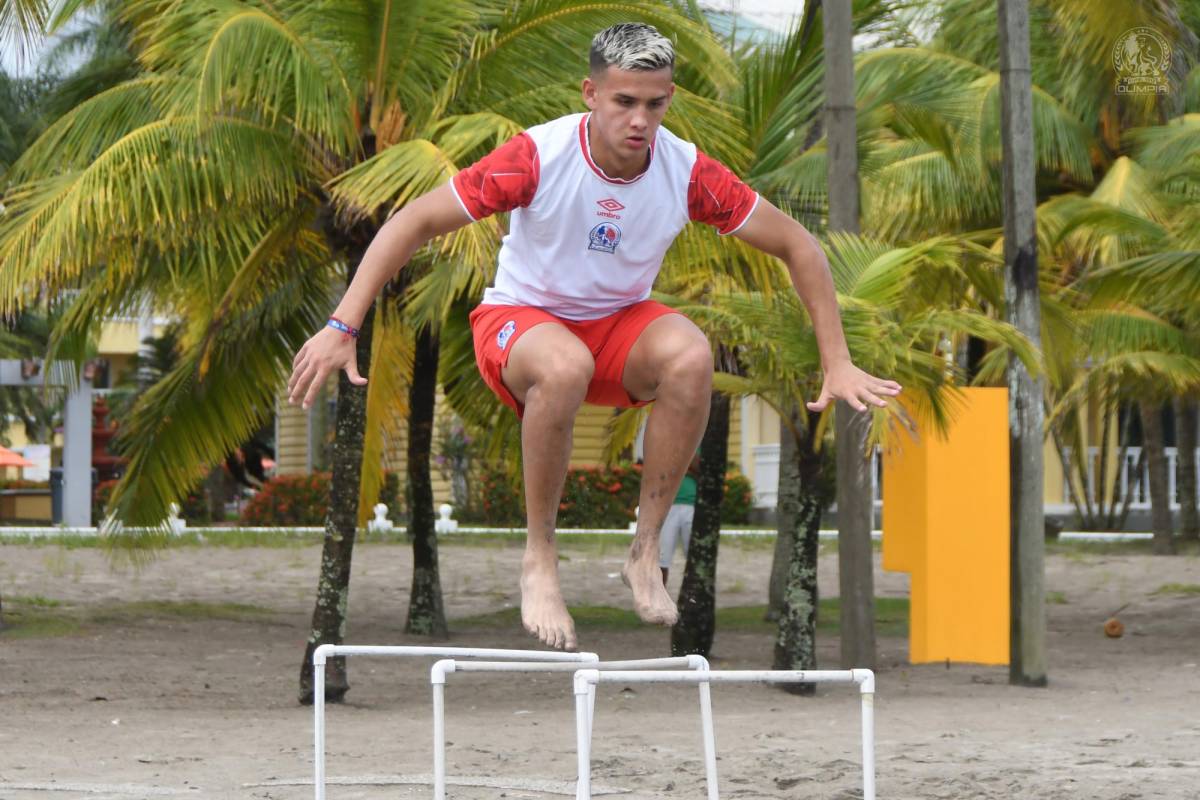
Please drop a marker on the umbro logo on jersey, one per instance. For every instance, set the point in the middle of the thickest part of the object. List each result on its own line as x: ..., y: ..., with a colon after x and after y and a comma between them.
x: 604, y: 237
x: 611, y: 206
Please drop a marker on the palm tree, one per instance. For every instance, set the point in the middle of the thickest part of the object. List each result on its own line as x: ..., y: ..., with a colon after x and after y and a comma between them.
x: 929, y: 152
x: 22, y: 23
x: 243, y: 172
x: 895, y: 322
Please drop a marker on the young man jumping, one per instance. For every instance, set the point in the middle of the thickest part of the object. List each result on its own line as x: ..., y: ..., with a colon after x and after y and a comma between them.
x: 596, y: 200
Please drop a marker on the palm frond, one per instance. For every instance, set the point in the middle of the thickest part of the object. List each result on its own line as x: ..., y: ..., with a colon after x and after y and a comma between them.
x: 620, y: 432
x: 192, y: 419
x: 294, y: 77
x: 158, y: 183
x: 22, y: 24
x: 388, y: 379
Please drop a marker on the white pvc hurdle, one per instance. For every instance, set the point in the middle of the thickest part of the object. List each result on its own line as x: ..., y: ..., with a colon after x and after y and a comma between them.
x: 327, y: 651
x: 439, y: 671
x: 587, y: 679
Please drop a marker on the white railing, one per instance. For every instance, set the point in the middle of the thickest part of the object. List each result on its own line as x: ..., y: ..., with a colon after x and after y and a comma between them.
x: 766, y: 476
x: 1128, y: 474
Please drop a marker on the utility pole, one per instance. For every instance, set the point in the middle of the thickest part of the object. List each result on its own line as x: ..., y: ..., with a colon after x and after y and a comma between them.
x: 1027, y: 656
x: 856, y: 506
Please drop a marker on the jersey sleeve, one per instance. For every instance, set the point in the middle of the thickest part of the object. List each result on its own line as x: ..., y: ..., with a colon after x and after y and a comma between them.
x: 717, y: 197
x: 504, y: 179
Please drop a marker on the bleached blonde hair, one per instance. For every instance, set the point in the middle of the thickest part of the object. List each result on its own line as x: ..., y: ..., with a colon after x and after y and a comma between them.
x: 631, y: 46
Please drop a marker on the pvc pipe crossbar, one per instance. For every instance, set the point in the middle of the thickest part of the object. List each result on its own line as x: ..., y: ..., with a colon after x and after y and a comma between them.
x: 697, y: 663
x: 326, y: 651
x: 586, y: 680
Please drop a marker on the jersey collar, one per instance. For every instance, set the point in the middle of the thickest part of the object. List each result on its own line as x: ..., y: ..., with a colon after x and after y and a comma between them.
x: 585, y: 146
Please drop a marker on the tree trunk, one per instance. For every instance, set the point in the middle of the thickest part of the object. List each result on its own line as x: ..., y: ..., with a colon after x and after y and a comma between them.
x: 855, y: 504
x: 796, y: 640
x: 214, y: 485
x: 787, y: 507
x: 426, y: 614
x: 856, y: 513
x: 1156, y: 460
x: 333, y: 584
x: 1027, y: 653
x: 1185, y: 438
x: 693, y: 632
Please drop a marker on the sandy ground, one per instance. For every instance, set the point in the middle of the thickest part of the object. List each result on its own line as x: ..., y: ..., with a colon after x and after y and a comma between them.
x: 142, y: 692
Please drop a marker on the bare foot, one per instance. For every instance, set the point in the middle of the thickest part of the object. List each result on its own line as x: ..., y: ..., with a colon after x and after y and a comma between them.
x: 650, y: 598
x: 543, y: 612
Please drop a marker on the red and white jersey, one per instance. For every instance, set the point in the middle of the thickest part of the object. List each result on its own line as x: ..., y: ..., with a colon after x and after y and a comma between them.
x: 582, y: 245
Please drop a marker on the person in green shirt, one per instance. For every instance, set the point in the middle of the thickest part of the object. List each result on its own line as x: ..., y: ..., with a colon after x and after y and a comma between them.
x: 678, y: 524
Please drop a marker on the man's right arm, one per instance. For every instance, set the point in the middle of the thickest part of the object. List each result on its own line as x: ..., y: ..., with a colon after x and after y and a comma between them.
x: 429, y: 216
x: 504, y: 179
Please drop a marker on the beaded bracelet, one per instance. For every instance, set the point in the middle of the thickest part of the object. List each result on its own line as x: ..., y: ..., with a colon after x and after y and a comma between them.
x: 337, y: 324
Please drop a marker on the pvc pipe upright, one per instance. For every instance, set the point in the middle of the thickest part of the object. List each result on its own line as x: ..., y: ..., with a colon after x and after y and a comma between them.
x: 584, y: 684
x: 700, y: 663
x: 439, y: 741
x: 866, y: 686
x: 319, y: 722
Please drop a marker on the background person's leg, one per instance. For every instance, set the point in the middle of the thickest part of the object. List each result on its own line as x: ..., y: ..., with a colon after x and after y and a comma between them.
x: 666, y: 541
x: 671, y: 363
x: 548, y: 372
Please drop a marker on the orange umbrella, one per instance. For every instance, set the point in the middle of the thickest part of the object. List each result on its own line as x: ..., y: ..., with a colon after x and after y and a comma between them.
x: 10, y: 459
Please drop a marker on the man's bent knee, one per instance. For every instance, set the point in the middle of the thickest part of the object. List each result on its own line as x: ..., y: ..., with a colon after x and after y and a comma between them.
x: 551, y: 360
x: 565, y: 378
x: 689, y: 370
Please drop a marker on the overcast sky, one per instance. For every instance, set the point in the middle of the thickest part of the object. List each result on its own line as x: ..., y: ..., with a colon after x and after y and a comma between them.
x: 775, y: 14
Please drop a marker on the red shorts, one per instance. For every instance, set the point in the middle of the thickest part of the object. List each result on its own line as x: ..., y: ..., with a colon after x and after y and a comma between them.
x: 497, y: 328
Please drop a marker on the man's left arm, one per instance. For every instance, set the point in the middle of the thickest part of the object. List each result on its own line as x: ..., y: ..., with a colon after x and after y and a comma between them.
x: 777, y: 234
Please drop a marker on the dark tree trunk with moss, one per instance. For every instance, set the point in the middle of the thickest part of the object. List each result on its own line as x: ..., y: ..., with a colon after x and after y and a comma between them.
x: 796, y: 640
x: 341, y: 525
x: 693, y: 633
x: 426, y: 615
x: 333, y: 584
x: 1185, y: 438
x: 1156, y: 462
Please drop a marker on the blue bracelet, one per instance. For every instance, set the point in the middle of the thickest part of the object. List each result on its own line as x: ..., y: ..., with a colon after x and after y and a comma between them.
x: 337, y: 324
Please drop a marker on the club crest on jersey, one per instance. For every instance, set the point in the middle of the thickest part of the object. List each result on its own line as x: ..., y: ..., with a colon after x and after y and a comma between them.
x: 604, y: 237
x: 505, y: 334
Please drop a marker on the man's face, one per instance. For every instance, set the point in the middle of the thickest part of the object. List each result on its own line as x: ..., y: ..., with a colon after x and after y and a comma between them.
x: 627, y: 108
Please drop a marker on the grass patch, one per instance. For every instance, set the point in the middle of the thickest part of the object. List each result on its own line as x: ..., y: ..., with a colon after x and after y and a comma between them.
x: 891, y: 618
x: 1182, y: 589
x: 36, y: 601
x: 179, y: 610
x: 1056, y: 598
x: 36, y: 617
x: 40, y: 617
x: 1078, y: 550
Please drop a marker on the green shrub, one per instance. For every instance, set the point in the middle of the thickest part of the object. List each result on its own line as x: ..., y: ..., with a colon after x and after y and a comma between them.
x: 194, y: 508
x: 593, y: 497
x: 100, y: 497
x: 500, y: 503
x: 289, y: 500
x: 600, y: 497
x: 739, y: 498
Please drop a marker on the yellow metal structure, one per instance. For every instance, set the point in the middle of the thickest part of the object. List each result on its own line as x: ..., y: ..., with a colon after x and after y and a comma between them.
x: 946, y: 523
